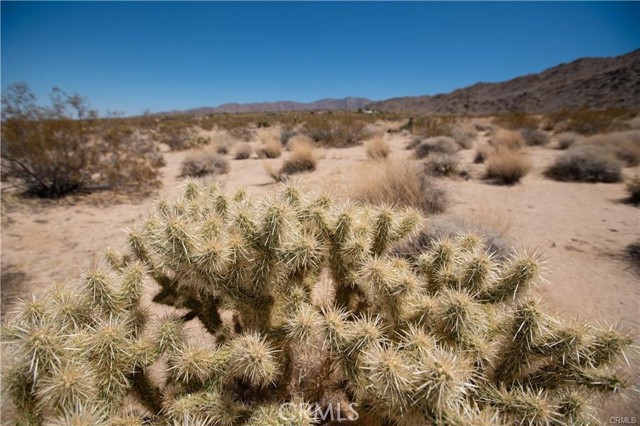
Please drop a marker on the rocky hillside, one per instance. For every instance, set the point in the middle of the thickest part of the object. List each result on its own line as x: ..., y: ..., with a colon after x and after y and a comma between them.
x: 593, y: 83
x: 349, y: 104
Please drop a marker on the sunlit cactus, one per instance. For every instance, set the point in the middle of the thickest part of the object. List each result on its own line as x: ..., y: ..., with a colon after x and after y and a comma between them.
x: 240, y: 331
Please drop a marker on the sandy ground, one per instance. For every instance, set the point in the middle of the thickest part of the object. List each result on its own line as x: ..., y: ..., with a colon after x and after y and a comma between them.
x: 581, y: 229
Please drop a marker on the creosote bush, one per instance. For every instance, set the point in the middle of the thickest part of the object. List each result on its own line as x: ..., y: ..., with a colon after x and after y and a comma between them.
x: 440, y: 144
x: 449, y: 338
x: 55, y: 150
x: 586, y: 163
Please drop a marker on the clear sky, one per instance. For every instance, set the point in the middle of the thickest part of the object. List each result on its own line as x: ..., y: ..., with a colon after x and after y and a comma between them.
x: 175, y: 55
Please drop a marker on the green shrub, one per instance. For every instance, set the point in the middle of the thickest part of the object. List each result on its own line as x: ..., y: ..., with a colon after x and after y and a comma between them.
x: 450, y: 338
x: 586, y: 163
x: 65, y: 148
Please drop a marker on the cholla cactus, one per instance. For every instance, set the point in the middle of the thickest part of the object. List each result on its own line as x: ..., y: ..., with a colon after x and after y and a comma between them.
x: 447, y: 338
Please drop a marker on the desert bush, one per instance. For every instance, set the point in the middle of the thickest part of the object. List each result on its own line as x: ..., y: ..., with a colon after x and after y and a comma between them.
x: 624, y: 145
x: 204, y: 162
x: 270, y: 149
x: 243, y: 151
x: 633, y: 189
x: 534, y: 137
x: 585, y: 163
x: 507, y: 166
x: 507, y: 139
x: 464, y: 135
x: 440, y: 144
x: 400, y: 184
x: 222, y: 141
x: 439, y: 164
x: 451, y: 338
x: 447, y: 227
x: 64, y: 148
x: 567, y: 139
x: 285, y: 135
x: 377, y: 148
x: 302, y: 158
x: 516, y: 121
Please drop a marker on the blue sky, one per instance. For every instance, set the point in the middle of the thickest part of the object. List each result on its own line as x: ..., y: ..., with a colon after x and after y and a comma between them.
x: 176, y: 55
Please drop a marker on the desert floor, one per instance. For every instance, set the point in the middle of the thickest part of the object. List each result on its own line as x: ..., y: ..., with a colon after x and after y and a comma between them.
x: 581, y: 229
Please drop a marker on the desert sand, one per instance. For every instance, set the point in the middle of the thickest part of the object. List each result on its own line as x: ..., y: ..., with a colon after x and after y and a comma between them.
x: 581, y: 230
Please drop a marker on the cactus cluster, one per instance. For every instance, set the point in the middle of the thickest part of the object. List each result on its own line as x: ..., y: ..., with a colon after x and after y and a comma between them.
x: 447, y: 338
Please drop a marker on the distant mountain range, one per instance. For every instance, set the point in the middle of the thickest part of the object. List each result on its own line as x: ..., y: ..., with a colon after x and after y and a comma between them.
x: 348, y: 104
x: 592, y: 83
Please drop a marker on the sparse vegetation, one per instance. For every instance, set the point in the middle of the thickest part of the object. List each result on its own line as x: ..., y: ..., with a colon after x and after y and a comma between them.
x: 591, y: 122
x: 204, y: 162
x: 399, y: 184
x: 65, y: 148
x: 516, y: 121
x: 335, y: 130
x: 377, y: 148
x: 507, y: 166
x: 624, y: 145
x: 431, y: 126
x: 464, y: 135
x: 534, y: 137
x: 450, y: 338
x: 586, y: 163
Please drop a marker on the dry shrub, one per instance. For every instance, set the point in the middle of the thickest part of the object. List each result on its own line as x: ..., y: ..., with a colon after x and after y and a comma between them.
x: 440, y: 164
x: 401, y: 184
x: 587, y: 122
x: 243, y: 151
x: 302, y: 158
x: 534, y: 137
x: 430, y: 126
x: 633, y: 189
x: 507, y: 166
x: 298, y: 139
x: 440, y: 144
x: 464, y: 135
x: 507, y: 139
x: 494, y: 234
x: 64, y: 148
x: 377, y: 148
x: 271, y: 148
x: 335, y: 130
x: 222, y: 141
x: 586, y: 163
x: 204, y: 162
x: 624, y: 145
x: 567, y: 139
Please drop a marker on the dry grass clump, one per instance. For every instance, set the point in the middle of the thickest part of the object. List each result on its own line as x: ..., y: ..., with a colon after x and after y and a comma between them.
x: 377, y: 148
x: 302, y: 158
x: 204, y: 162
x: 298, y: 139
x: 271, y: 148
x: 516, y: 121
x: 222, y: 141
x: 534, y: 137
x: 507, y: 139
x: 633, y: 189
x: 507, y: 166
x: 567, y: 139
x: 464, y: 135
x: 624, y: 145
x: 440, y: 144
x: 243, y: 151
x: 586, y: 163
x: 586, y: 122
x: 400, y: 184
